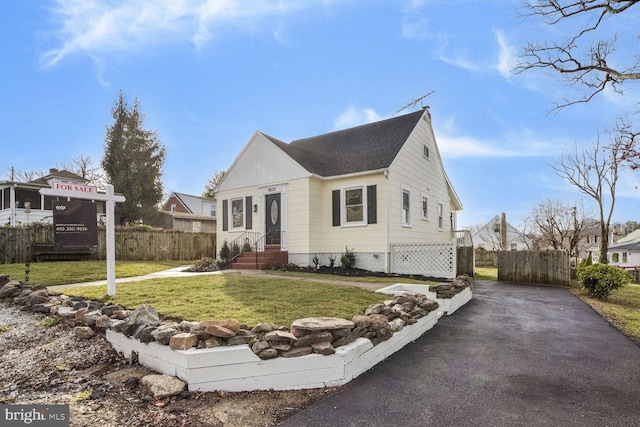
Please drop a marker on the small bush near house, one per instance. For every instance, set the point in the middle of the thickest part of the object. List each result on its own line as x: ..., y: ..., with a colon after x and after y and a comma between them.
x: 225, y: 252
x: 348, y: 258
x: 599, y: 280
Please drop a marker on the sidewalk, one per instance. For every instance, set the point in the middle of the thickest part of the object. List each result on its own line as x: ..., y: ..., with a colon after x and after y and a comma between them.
x: 179, y: 272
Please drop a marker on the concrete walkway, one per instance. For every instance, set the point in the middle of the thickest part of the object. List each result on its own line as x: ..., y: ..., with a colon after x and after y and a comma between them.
x: 179, y: 272
x: 515, y: 355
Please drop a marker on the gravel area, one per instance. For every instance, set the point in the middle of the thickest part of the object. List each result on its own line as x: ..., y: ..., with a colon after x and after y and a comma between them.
x: 45, y: 363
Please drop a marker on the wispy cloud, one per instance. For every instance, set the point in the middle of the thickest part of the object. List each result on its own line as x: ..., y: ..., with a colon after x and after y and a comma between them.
x: 453, y: 144
x: 99, y: 29
x: 507, y: 55
x: 355, y: 117
x: 519, y: 143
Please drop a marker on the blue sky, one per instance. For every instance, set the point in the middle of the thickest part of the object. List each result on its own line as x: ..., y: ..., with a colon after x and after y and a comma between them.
x: 208, y: 74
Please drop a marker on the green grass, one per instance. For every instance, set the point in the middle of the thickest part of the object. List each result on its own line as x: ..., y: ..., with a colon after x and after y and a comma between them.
x: 249, y: 299
x: 621, y: 309
x: 486, y: 273
x: 68, y: 272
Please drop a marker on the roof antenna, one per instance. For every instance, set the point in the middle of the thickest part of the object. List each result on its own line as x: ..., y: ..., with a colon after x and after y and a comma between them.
x: 415, y: 101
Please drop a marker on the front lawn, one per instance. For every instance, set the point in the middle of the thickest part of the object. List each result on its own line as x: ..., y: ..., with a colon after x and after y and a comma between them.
x: 249, y: 299
x: 68, y: 272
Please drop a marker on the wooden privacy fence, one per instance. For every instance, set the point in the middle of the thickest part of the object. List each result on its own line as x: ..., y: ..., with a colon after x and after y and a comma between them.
x: 544, y: 267
x: 465, y: 260
x: 16, y: 244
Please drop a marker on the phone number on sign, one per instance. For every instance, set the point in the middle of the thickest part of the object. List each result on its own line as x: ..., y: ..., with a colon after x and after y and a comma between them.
x: 66, y: 228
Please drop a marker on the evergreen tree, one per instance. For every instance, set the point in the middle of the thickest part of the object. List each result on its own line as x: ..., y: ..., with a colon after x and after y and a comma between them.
x: 133, y: 161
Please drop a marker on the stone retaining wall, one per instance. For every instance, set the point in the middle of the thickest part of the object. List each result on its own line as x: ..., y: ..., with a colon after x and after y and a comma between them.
x: 226, y: 355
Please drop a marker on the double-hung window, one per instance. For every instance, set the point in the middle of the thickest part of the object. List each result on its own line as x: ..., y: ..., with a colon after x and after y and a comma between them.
x: 440, y: 216
x: 237, y: 213
x: 406, y: 207
x: 354, y: 205
x: 425, y: 208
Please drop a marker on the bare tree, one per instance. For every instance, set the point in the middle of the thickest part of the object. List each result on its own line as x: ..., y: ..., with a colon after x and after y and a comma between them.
x: 85, y: 167
x: 213, y: 182
x: 27, y: 176
x: 587, y: 57
x: 594, y: 172
x: 555, y: 224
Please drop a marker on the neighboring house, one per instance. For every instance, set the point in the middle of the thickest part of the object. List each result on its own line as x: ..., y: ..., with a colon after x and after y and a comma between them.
x: 490, y: 236
x: 379, y: 189
x: 626, y: 252
x: 15, y: 197
x: 591, y: 242
x: 185, y: 212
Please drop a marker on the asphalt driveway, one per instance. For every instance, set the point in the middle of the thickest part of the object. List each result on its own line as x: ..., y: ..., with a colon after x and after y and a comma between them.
x: 515, y: 355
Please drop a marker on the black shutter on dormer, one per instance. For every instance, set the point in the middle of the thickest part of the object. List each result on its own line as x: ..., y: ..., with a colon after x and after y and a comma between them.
x: 372, y: 205
x: 335, y: 207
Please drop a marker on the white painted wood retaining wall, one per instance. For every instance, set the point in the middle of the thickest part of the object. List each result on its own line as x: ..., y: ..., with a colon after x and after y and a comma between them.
x: 237, y: 368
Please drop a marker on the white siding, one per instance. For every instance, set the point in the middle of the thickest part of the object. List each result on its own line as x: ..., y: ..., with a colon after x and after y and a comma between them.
x: 261, y: 162
x: 421, y: 176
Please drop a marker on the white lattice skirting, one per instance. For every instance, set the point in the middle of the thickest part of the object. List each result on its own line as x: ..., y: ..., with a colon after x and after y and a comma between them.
x: 427, y: 259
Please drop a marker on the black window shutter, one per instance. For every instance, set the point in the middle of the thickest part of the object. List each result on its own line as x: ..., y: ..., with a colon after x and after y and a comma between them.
x: 225, y: 215
x: 372, y: 205
x: 248, y: 211
x: 335, y: 206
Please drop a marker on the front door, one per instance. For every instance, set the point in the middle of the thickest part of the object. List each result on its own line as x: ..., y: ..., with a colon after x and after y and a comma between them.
x: 273, y: 218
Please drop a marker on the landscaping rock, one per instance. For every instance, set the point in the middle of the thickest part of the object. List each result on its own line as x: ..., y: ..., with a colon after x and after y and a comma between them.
x: 163, y: 385
x: 163, y: 336
x: 183, y: 341
x: 219, y: 331
x: 321, y: 323
x: 297, y: 352
x: 83, y: 332
x: 231, y: 324
x: 323, y: 348
x: 269, y: 353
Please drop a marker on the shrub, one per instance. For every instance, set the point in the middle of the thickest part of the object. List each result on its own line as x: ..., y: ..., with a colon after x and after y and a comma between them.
x: 586, y: 262
x: 247, y: 247
x: 316, y: 262
x: 225, y: 252
x: 235, y: 250
x: 599, y: 280
x: 332, y: 261
x: 348, y: 258
x: 203, y: 265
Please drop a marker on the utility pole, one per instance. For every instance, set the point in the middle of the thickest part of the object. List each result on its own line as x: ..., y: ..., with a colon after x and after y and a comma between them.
x: 503, y: 232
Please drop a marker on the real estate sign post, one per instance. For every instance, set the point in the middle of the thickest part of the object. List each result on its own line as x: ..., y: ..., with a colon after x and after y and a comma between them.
x: 75, y: 227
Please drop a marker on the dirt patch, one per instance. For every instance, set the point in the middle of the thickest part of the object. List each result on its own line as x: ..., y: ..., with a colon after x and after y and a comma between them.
x: 41, y: 364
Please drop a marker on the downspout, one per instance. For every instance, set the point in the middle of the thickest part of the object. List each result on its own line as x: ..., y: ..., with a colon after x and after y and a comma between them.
x: 387, y: 267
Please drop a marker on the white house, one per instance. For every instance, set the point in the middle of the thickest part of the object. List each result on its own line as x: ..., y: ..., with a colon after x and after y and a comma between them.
x: 490, y: 236
x: 379, y: 189
x: 626, y: 252
x: 21, y: 202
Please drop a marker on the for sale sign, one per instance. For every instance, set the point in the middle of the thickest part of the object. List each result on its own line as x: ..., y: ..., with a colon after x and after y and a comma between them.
x: 75, y: 224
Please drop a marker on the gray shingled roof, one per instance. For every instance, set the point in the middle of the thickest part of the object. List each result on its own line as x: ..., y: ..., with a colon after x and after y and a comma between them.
x: 368, y: 147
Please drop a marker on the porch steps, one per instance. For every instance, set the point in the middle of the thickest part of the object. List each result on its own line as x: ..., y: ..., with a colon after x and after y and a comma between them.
x: 271, y: 257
